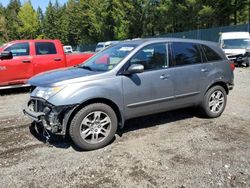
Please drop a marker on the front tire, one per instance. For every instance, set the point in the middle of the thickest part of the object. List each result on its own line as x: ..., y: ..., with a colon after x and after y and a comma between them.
x: 93, y: 127
x: 248, y: 62
x: 214, y: 102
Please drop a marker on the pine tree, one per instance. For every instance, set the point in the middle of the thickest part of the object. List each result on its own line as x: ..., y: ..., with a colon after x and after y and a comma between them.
x: 40, y: 17
x: 29, y: 23
x: 49, y: 22
x: 3, y: 29
x: 12, y: 21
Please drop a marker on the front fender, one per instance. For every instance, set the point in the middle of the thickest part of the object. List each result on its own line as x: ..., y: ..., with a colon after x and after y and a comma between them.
x: 78, y: 93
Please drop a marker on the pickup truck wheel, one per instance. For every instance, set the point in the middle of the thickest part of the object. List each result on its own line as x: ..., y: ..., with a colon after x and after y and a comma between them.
x: 93, y: 127
x: 214, y: 102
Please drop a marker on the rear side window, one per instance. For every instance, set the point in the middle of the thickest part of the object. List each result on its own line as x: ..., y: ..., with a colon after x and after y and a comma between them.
x: 19, y: 49
x: 210, y: 54
x: 45, y: 48
x: 185, y: 53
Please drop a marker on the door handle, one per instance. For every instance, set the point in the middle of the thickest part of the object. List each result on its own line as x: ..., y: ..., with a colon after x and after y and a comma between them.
x: 204, y: 70
x: 57, y: 59
x: 164, y: 76
x: 26, y: 61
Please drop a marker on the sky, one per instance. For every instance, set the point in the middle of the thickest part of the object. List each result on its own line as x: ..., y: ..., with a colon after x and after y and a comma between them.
x: 42, y: 3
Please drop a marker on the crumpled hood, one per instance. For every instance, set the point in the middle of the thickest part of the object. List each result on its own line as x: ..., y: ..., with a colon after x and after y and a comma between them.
x: 51, y: 77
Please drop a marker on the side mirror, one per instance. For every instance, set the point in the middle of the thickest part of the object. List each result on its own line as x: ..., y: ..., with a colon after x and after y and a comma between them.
x: 135, y: 68
x: 6, y: 55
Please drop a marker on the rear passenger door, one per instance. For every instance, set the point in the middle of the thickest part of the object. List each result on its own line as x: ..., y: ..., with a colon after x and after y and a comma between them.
x: 47, y: 57
x: 211, y: 60
x: 190, y: 72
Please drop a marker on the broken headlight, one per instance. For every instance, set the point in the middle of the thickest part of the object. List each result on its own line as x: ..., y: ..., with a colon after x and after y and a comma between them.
x: 47, y: 92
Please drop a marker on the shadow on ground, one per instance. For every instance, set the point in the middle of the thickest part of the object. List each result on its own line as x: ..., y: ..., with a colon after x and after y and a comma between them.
x: 158, y: 119
x: 130, y: 125
x: 14, y: 91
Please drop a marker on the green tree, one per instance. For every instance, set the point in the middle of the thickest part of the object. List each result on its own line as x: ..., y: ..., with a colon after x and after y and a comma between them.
x: 205, y: 16
x: 61, y: 22
x: 40, y: 17
x: 115, y: 20
x: 29, y: 23
x: 92, y: 16
x: 73, y: 20
x: 55, y: 23
x: 49, y: 22
x: 135, y: 14
x: 3, y: 29
x: 12, y: 21
x: 240, y: 11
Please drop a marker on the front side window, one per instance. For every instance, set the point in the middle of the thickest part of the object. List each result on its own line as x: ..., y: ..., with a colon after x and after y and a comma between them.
x: 19, y: 49
x: 211, y: 55
x: 45, y: 48
x: 185, y: 53
x: 152, y: 57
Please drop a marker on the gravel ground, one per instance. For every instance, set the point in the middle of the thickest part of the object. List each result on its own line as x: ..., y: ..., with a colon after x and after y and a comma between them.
x: 172, y: 149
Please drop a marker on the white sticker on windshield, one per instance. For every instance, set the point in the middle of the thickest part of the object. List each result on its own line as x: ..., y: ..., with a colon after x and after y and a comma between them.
x: 126, y: 48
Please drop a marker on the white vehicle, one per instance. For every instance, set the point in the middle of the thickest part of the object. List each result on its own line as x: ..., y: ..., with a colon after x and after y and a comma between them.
x: 236, y: 46
x: 68, y: 49
x: 102, y: 45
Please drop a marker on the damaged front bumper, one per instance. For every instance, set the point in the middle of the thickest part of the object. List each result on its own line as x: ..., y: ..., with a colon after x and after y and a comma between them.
x: 240, y: 59
x: 52, y: 118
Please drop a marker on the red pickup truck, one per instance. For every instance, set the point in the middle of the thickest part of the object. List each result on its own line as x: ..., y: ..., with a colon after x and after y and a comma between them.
x: 31, y: 57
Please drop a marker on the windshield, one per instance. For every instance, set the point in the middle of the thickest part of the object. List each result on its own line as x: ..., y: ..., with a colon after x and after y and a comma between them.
x: 236, y: 44
x: 108, y: 58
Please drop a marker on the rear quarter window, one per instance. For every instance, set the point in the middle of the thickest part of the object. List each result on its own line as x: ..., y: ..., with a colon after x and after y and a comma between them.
x: 210, y: 54
x: 45, y: 48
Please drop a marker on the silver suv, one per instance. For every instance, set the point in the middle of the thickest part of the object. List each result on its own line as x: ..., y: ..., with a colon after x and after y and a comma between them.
x: 131, y: 79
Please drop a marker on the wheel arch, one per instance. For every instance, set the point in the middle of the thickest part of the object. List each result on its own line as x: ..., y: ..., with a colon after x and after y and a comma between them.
x: 220, y: 83
x: 113, y: 105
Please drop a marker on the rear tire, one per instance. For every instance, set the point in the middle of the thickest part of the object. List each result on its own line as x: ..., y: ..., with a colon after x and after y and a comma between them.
x: 93, y: 127
x: 214, y: 102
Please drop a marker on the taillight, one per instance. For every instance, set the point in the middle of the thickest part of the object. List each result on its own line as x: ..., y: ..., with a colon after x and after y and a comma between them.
x: 232, y: 66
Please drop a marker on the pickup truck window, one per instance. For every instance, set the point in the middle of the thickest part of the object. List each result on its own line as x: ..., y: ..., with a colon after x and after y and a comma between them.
x: 19, y: 49
x: 45, y: 48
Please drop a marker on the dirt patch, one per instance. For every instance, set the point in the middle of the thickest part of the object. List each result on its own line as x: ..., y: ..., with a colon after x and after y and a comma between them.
x: 171, y: 149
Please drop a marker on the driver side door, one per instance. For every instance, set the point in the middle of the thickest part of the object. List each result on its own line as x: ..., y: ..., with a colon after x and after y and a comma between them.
x: 18, y: 69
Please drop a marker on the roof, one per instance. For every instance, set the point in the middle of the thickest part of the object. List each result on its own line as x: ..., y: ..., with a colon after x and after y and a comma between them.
x: 234, y: 35
x: 154, y: 40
